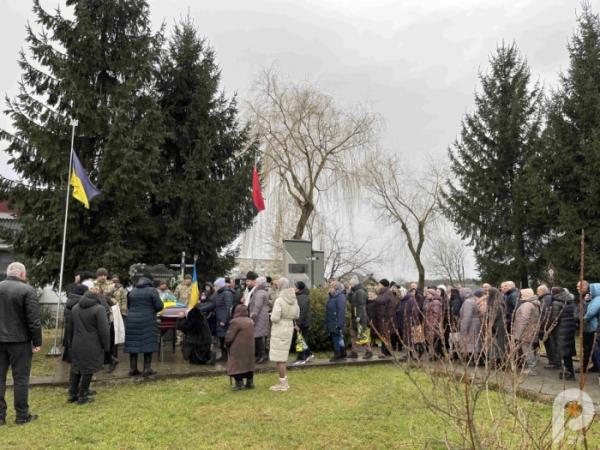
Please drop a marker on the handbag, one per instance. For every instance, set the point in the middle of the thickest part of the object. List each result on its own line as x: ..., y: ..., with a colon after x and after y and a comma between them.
x: 418, y: 337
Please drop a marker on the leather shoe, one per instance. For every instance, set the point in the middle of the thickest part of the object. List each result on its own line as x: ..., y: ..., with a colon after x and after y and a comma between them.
x: 29, y: 418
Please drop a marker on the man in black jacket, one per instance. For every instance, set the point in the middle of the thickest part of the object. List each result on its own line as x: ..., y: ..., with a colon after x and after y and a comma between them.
x: 360, y: 321
x: 20, y: 335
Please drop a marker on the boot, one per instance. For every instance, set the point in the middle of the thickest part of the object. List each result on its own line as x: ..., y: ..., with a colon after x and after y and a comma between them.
x: 74, y: 380
x: 343, y: 353
x: 133, y: 370
x: 250, y: 382
x: 566, y: 375
x: 113, y: 364
x: 84, y: 390
x: 336, y: 357
x: 239, y: 385
x: 148, y: 372
x: 282, y: 386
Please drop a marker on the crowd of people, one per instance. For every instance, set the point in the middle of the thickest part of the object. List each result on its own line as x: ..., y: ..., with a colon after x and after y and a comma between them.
x: 249, y: 324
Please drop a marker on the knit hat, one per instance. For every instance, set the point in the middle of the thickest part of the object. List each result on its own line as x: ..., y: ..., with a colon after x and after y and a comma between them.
x: 441, y: 287
x: 101, y: 272
x: 300, y: 285
x: 354, y: 281
x: 219, y: 283
x: 251, y: 275
x: 479, y: 293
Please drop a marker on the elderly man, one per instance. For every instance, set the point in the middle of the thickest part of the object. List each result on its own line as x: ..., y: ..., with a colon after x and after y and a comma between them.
x: 20, y: 335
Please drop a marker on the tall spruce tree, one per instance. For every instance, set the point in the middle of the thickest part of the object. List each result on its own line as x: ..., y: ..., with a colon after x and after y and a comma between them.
x: 97, y: 68
x: 495, y: 198
x: 573, y: 164
x: 204, y: 200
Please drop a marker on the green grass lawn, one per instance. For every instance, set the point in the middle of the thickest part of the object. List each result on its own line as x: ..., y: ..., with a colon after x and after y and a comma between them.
x: 348, y: 407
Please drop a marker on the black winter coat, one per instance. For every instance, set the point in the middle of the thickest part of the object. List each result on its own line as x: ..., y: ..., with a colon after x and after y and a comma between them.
x: 303, y: 298
x: 197, y: 338
x: 563, y: 315
x: 546, y: 312
x: 511, y: 300
x: 19, y: 313
x: 89, y: 335
x: 456, y: 302
x: 72, y: 300
x: 141, y: 328
x: 358, y: 301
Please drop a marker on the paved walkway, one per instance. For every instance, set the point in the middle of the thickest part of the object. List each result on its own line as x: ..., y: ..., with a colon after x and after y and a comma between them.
x: 543, y: 387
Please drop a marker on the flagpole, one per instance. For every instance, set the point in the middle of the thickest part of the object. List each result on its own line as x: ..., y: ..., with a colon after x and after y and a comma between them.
x: 55, y: 351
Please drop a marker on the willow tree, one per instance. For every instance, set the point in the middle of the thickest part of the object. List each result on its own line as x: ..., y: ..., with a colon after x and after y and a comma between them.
x: 312, y: 147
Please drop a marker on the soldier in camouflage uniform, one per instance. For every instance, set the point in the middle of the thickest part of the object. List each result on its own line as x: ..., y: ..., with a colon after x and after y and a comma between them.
x: 106, y: 289
x: 184, y: 290
x: 120, y: 295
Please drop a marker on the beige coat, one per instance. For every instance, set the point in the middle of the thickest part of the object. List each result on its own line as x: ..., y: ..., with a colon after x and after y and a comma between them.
x: 285, y: 311
x: 527, y: 321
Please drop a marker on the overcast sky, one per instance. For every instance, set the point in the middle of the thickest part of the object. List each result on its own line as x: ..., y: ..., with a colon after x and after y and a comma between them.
x: 413, y: 61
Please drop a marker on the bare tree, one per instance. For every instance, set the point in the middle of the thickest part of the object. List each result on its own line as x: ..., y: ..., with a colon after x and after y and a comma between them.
x: 406, y: 200
x: 344, y: 258
x: 310, y: 144
x: 447, y: 256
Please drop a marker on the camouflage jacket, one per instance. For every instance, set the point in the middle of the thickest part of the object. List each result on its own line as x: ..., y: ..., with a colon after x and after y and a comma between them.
x: 183, y: 292
x: 121, y: 298
x: 108, y: 290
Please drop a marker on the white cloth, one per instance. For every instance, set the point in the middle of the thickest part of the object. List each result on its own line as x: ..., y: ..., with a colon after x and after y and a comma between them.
x: 248, y: 295
x: 118, y: 324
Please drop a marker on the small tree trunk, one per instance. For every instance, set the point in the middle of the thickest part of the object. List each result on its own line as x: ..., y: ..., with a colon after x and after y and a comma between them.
x: 307, y: 210
x: 421, y: 270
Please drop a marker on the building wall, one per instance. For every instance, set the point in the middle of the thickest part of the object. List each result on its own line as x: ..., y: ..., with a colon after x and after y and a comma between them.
x: 264, y: 267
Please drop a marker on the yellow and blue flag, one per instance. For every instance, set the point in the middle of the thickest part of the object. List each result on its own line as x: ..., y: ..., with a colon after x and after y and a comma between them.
x: 83, y: 189
x: 195, y: 294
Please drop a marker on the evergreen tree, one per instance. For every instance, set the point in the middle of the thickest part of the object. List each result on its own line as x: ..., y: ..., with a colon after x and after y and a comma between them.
x: 204, y: 200
x: 573, y: 140
x: 97, y: 68
x: 495, y: 198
